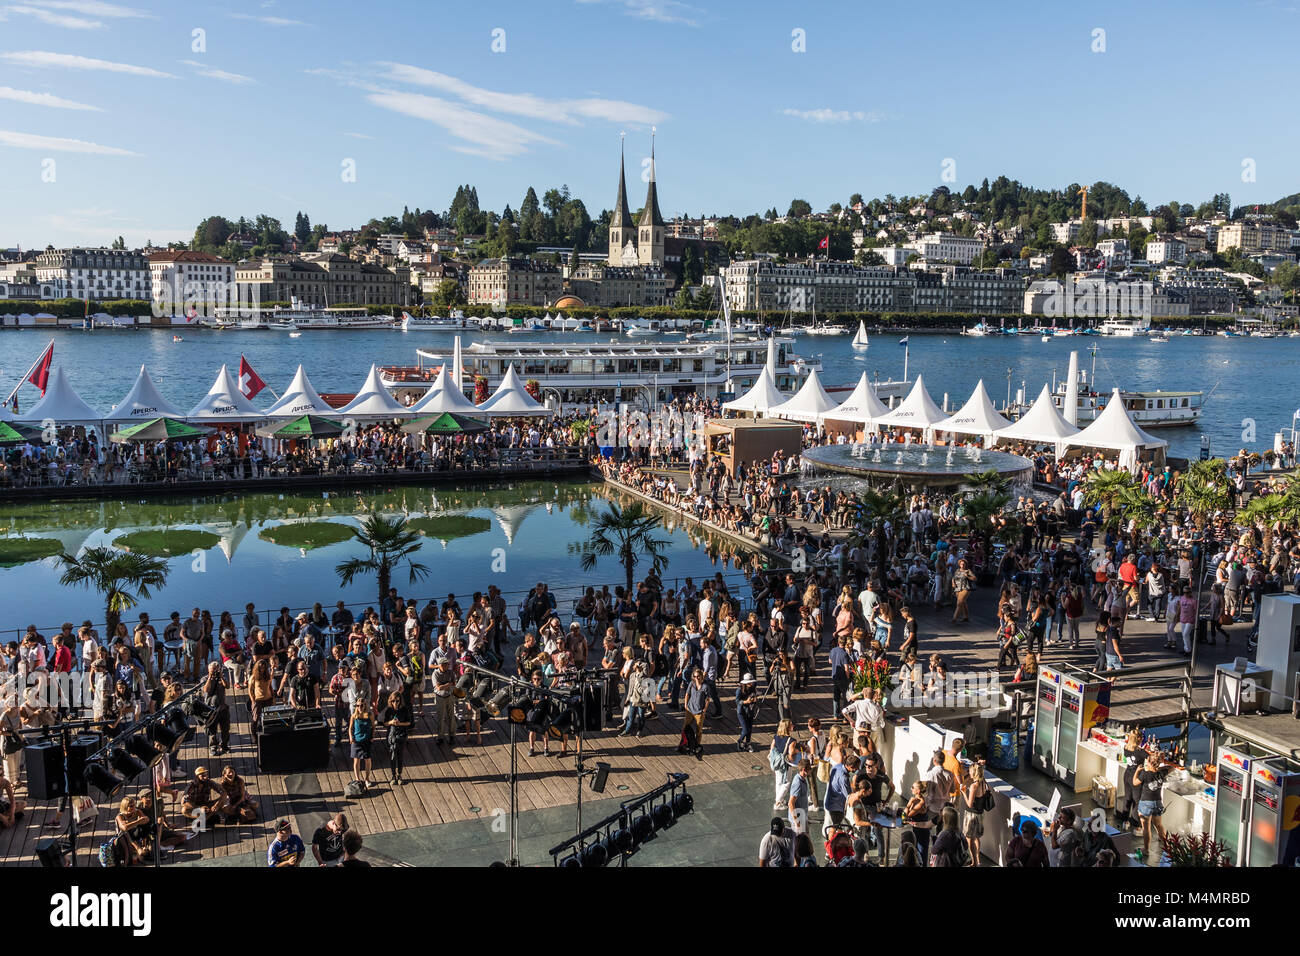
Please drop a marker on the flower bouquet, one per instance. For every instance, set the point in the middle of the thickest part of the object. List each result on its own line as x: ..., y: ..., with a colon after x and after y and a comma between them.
x: 1195, y: 850
x: 869, y: 675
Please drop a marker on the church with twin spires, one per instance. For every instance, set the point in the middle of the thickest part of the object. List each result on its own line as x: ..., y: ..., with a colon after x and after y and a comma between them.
x: 641, y: 243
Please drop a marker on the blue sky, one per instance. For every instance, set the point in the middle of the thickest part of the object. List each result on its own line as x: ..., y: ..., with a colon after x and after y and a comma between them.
x: 149, y: 131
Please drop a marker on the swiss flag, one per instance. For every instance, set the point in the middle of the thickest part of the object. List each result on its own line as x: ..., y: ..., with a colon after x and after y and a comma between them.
x: 825, y: 244
x: 250, y: 383
x: 40, y: 373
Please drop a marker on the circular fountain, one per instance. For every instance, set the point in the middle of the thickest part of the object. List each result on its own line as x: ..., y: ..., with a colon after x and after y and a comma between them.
x: 924, y: 466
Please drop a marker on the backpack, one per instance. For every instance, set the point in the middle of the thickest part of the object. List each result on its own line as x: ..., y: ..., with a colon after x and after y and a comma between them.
x: 354, y: 790
x: 776, y: 755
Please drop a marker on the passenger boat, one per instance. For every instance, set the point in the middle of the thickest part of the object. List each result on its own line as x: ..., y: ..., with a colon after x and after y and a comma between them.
x: 1126, y: 328
x: 454, y: 321
x: 313, y: 318
x: 1159, y: 408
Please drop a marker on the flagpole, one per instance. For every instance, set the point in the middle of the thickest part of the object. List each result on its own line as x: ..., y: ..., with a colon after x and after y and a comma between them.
x: 31, y: 368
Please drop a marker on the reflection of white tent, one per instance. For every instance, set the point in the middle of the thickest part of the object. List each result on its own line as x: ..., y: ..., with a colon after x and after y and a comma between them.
x: 976, y: 417
x: 445, y: 396
x: 224, y: 403
x: 374, y: 401
x: 761, y: 398
x: 300, y: 398
x: 510, y: 517
x: 230, y: 540
x: 511, y: 400
x: 142, y: 403
x: 808, y: 404
x: 1043, y: 424
x: 60, y: 404
x: 918, y: 410
x: 862, y: 406
x: 1114, y: 430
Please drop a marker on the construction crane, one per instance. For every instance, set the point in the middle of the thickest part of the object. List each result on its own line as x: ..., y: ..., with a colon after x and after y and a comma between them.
x: 1083, y: 191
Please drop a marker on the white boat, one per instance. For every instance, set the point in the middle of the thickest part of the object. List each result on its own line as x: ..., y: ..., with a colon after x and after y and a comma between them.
x: 295, y: 334
x: 1148, y: 409
x: 1126, y: 328
x: 826, y: 328
x: 1158, y: 338
x: 455, y: 321
x: 309, y: 318
x: 177, y: 338
x: 977, y: 329
x: 1047, y: 338
x: 584, y: 373
x: 860, y: 342
x: 282, y: 327
x: 639, y: 332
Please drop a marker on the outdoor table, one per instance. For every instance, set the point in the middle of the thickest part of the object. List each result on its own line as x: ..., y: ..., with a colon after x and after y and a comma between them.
x: 887, y: 822
x: 174, y: 649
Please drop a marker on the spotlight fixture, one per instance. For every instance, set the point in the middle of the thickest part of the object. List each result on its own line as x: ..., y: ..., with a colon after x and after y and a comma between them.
x: 571, y: 862
x: 497, y: 705
x: 595, y: 854
x: 479, y: 694
x: 464, y: 684
x: 683, y: 804
x: 125, y: 763
x: 663, y: 816
x: 643, y: 829
x: 104, y: 780
x: 164, y: 735
x: 199, y: 710
x: 518, y: 711
x: 624, y: 841
x: 178, y: 725
x: 143, y: 749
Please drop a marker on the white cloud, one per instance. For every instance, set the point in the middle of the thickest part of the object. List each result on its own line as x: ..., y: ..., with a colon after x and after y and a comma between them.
x: 660, y: 11
x: 825, y: 115
x: 58, y: 144
x: 526, y: 104
x: 359, y: 135
x: 53, y: 18
x: 70, y: 61
x: 215, y: 74
x: 269, y: 21
x: 487, y: 136
x: 94, y: 8
x: 43, y: 99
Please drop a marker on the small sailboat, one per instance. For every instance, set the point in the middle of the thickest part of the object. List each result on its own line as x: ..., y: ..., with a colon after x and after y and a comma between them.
x: 860, y: 342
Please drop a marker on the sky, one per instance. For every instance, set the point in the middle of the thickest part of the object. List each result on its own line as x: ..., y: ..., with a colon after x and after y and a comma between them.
x: 140, y: 118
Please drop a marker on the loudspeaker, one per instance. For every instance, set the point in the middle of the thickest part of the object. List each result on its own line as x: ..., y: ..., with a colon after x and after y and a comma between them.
x: 44, y: 763
x: 593, y: 717
x: 601, y: 775
x: 295, y: 751
x: 81, y: 747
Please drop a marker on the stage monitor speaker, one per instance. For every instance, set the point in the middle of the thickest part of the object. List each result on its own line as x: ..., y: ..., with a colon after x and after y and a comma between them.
x: 44, y: 762
x: 296, y: 751
x: 81, y: 747
x: 600, y: 777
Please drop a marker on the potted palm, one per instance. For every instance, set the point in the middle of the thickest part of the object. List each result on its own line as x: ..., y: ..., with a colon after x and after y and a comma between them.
x: 1184, y: 850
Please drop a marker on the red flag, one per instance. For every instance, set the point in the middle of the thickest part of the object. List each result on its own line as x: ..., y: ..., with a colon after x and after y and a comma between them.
x: 250, y: 383
x: 825, y: 244
x: 40, y: 373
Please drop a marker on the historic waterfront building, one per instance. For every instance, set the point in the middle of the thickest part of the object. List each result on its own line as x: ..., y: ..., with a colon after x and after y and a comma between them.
x: 518, y: 281
x: 180, y: 278
x: 94, y: 273
x: 325, y: 281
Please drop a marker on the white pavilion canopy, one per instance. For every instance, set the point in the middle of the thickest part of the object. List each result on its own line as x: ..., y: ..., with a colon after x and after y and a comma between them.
x: 808, y: 404
x: 510, y: 400
x: 761, y: 398
x: 863, y: 406
x: 1114, y: 430
x: 224, y: 403
x: 60, y: 404
x: 142, y: 403
x: 976, y: 417
x: 918, y: 410
x: 444, y: 396
x: 374, y: 401
x: 1043, y: 424
x: 300, y: 398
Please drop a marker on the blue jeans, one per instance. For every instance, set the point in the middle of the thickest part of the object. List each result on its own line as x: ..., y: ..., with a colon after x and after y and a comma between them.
x: 745, y: 716
x: 635, y: 719
x: 1113, y: 662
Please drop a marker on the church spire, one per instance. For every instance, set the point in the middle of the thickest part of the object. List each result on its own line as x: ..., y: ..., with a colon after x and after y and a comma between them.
x: 622, y: 214
x: 650, y: 215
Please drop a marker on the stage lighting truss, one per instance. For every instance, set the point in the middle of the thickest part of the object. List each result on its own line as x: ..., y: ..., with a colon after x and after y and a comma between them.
x: 621, y: 835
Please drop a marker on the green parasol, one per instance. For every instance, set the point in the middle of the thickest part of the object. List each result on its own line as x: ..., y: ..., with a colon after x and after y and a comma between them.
x: 448, y: 423
x: 308, y: 426
x: 158, y: 429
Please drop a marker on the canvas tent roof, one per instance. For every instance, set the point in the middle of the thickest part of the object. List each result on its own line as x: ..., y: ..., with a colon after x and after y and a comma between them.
x: 445, y: 396
x: 862, y: 406
x: 1114, y: 429
x: 1042, y: 424
x: 374, y: 401
x: 300, y: 398
x: 224, y: 403
x: 142, y: 403
x: 808, y: 403
x: 60, y: 404
x: 976, y: 417
x: 761, y: 398
x: 918, y: 410
x: 510, y: 400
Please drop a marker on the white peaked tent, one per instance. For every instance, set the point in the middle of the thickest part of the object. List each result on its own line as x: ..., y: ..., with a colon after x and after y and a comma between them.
x: 224, y: 403
x: 60, y: 404
x: 918, y: 410
x: 445, y: 396
x: 1114, y: 430
x: 299, y: 399
x: 374, y: 401
x: 761, y: 398
x: 863, y: 406
x: 1043, y: 424
x: 141, y: 404
x: 808, y: 404
x: 510, y: 400
x: 976, y: 417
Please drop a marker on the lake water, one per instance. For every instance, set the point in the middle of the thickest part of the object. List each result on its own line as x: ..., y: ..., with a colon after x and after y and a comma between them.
x: 533, y: 533
x: 1244, y: 378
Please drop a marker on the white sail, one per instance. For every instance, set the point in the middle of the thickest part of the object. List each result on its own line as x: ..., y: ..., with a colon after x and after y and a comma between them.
x: 860, y: 338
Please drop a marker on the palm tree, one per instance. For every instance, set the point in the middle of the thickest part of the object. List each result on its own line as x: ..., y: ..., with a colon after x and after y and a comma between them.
x: 980, y: 509
x: 1108, y: 489
x: 390, y: 542
x: 625, y: 533
x: 990, y: 480
x: 1205, y: 489
x: 875, y: 507
x: 122, y: 578
x: 1142, y: 506
x: 1267, y: 510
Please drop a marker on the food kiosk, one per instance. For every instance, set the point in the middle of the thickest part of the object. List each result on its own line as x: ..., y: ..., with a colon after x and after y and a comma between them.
x: 1070, y: 703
